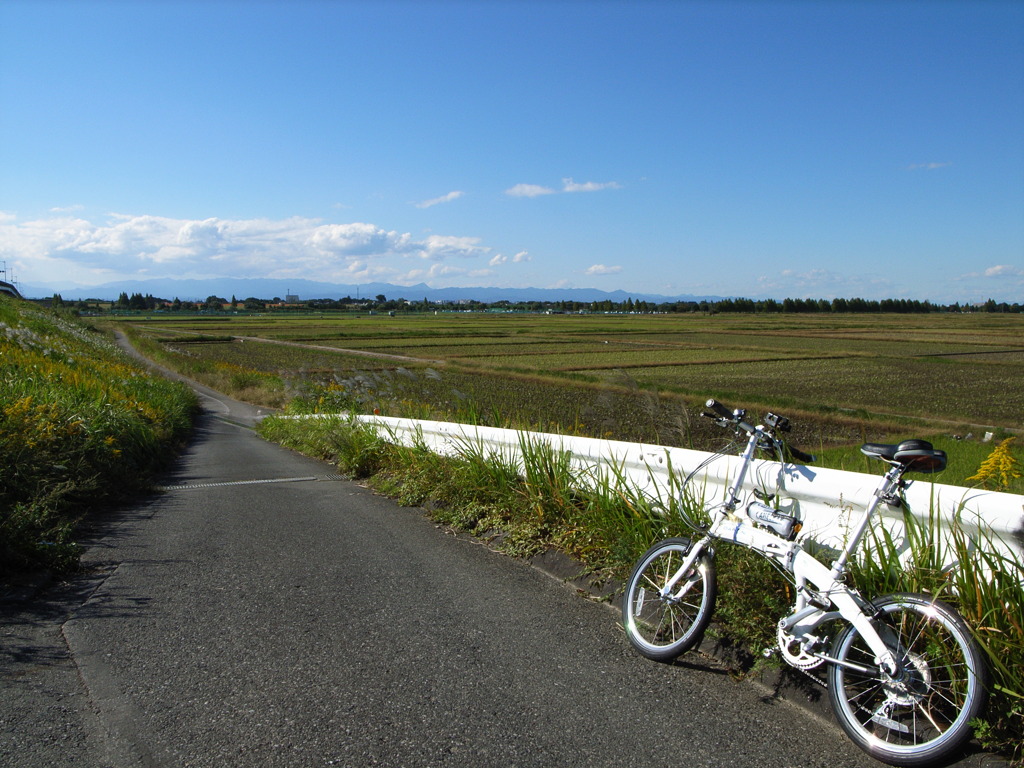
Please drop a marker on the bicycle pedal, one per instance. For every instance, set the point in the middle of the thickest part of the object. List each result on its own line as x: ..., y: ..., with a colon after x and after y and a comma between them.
x: 770, y: 651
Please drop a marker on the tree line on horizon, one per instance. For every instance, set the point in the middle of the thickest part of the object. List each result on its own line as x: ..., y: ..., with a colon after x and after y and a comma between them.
x: 138, y: 302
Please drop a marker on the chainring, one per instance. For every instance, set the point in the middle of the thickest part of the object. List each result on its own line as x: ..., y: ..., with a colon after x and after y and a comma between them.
x: 794, y: 653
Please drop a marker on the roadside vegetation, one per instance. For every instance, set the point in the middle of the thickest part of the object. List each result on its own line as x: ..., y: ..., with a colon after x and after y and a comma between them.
x: 81, y: 425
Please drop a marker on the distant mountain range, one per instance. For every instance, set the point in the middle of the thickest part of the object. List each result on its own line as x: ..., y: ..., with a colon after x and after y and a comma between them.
x: 262, y: 288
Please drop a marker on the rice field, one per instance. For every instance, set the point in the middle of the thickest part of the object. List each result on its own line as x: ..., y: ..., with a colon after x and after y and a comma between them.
x: 964, y: 369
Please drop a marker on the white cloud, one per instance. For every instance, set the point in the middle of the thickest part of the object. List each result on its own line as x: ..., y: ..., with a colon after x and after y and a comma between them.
x: 820, y: 284
x: 499, y: 259
x: 439, y: 247
x: 64, y: 248
x: 568, y: 185
x: 436, y: 271
x: 1003, y: 270
x: 454, y: 195
x: 528, y: 190
x: 998, y: 271
x: 927, y: 166
x: 601, y: 269
x: 356, y: 239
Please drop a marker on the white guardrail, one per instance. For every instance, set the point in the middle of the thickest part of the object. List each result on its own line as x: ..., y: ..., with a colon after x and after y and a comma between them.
x: 827, y: 501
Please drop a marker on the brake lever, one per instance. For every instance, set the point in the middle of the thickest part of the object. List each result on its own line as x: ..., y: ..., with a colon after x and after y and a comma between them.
x: 725, y: 423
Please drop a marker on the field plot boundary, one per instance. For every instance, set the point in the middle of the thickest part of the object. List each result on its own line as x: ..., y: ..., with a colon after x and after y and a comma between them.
x: 357, y: 352
x: 684, y: 363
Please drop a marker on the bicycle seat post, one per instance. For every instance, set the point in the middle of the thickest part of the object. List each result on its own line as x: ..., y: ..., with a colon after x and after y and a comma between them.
x: 884, y: 492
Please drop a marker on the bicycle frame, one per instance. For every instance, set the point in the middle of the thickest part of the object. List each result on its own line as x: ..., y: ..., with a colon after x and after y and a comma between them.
x: 904, y: 675
x: 818, y: 588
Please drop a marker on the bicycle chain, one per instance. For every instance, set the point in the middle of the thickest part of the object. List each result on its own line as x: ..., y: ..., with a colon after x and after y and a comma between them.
x: 815, y: 678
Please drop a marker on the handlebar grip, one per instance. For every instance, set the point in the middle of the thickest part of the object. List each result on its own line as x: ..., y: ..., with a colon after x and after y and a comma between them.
x: 719, y: 409
x: 799, y: 455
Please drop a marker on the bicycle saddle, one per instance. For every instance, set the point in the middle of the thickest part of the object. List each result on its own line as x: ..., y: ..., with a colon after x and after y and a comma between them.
x: 914, y: 455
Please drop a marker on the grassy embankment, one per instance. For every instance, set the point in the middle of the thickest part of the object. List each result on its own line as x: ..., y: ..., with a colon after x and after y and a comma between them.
x: 81, y: 425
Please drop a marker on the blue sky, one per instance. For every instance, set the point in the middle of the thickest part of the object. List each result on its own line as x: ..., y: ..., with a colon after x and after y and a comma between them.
x: 761, y: 149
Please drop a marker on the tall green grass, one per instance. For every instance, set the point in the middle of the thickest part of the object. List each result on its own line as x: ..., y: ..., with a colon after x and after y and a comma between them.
x: 80, y: 424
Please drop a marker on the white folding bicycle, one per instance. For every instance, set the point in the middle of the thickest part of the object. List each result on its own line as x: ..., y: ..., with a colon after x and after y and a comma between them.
x: 905, y: 676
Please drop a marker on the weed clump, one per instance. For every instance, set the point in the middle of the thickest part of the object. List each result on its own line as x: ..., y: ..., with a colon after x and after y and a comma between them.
x: 1000, y: 468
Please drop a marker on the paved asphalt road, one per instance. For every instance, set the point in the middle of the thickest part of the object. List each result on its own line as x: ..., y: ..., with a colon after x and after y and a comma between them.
x: 261, y: 612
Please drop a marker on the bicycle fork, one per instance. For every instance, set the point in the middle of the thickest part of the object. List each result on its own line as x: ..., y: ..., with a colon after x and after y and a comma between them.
x: 696, y: 549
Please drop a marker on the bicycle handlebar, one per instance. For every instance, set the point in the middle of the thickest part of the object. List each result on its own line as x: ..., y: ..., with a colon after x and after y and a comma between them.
x: 723, y: 414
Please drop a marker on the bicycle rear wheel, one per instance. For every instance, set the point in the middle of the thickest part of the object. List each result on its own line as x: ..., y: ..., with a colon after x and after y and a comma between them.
x: 663, y: 626
x: 923, y: 714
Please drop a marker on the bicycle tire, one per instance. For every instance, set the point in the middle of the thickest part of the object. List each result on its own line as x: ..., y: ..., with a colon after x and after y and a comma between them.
x: 924, y: 718
x: 664, y: 627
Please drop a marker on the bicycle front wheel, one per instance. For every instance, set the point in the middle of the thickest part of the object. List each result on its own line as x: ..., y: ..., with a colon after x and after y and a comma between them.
x: 663, y: 624
x: 923, y: 713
